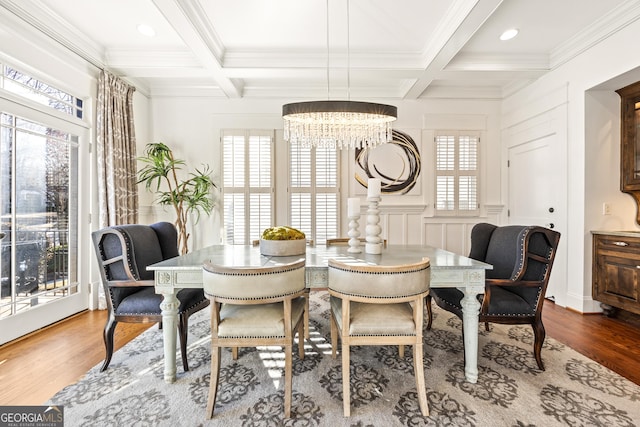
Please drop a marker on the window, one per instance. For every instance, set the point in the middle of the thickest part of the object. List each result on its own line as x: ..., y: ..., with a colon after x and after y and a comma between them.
x: 313, y: 191
x: 31, y: 88
x: 247, y: 184
x: 457, y: 173
x: 39, y: 208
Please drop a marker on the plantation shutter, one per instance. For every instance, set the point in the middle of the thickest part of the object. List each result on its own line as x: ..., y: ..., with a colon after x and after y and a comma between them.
x: 247, y: 184
x: 456, y: 173
x: 313, y: 195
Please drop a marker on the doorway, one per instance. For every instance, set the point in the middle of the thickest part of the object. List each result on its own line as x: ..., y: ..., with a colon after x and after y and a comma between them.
x: 536, y: 181
x: 39, y: 211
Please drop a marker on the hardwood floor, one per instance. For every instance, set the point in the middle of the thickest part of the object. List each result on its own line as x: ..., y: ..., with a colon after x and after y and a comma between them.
x: 36, y: 367
x: 612, y: 342
x: 33, y: 369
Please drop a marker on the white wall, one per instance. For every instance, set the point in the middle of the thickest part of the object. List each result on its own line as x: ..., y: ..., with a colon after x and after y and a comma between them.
x: 592, y: 145
x: 191, y: 126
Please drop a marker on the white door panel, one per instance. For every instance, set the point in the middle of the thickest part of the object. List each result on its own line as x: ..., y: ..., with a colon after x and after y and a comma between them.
x: 535, y: 190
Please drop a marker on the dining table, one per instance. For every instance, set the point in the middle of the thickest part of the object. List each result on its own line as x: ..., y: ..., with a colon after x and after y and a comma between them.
x: 448, y: 270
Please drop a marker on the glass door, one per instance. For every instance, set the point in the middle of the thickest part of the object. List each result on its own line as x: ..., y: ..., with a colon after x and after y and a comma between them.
x: 39, y: 169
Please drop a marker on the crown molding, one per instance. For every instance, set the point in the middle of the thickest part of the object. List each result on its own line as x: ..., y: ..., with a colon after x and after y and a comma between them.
x: 170, y: 58
x: 609, y: 24
x: 304, y: 58
x: 158, y: 89
x: 42, y: 18
x: 494, y: 62
x: 435, y: 91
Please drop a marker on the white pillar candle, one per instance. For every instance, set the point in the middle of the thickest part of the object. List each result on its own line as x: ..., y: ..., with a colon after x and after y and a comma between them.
x: 353, y: 207
x: 373, y: 187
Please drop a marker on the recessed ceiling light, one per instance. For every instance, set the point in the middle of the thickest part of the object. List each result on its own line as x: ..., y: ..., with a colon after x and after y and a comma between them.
x: 146, y: 30
x: 509, y: 34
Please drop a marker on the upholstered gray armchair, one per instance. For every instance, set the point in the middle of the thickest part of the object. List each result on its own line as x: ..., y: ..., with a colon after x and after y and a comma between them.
x: 124, y: 252
x: 522, y: 257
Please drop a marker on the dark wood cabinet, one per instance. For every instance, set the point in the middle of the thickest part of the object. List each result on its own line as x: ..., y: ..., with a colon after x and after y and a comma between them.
x: 630, y: 142
x: 616, y: 270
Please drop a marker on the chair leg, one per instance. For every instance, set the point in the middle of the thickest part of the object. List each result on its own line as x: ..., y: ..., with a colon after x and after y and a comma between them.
x: 539, y: 334
x: 301, y: 329
x: 109, y: 329
x: 334, y: 337
x: 401, y: 351
x: 234, y: 353
x: 346, y: 381
x: 421, y: 387
x: 429, y: 312
x: 288, y: 380
x: 307, y: 297
x: 213, y: 383
x: 486, y: 326
x: 183, y: 332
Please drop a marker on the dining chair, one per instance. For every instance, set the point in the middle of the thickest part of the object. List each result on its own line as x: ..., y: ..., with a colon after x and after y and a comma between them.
x: 522, y: 257
x: 378, y: 305
x: 123, y: 253
x: 255, y: 306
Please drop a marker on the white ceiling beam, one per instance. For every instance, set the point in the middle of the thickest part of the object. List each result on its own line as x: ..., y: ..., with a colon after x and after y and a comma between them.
x: 464, y: 20
x: 188, y: 19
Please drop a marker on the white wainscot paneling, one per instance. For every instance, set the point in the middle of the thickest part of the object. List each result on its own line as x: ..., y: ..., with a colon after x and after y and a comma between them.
x: 451, y: 234
x: 401, y: 224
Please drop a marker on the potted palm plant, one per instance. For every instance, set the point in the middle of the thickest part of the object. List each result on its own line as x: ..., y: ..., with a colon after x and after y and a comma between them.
x: 186, y: 196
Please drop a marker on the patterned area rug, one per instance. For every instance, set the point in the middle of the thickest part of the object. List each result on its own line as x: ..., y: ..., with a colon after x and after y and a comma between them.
x: 511, y: 391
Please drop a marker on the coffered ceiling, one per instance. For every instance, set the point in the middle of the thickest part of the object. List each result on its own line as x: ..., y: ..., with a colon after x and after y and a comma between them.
x: 389, y: 49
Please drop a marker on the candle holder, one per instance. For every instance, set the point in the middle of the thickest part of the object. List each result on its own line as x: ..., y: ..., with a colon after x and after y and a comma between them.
x: 354, y: 242
x: 374, y: 242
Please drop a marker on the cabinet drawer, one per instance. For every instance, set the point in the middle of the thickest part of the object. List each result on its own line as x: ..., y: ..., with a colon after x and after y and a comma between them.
x: 620, y: 244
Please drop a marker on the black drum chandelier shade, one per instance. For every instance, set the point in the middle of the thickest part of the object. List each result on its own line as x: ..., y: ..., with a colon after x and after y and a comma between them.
x: 338, y: 124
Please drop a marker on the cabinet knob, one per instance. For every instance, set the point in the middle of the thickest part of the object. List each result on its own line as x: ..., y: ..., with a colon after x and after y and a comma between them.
x: 621, y: 243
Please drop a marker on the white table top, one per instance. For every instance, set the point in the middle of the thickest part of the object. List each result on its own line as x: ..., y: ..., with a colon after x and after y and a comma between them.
x: 317, y: 257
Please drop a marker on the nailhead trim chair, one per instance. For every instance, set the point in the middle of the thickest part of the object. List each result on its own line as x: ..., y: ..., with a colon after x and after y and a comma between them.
x: 123, y: 253
x: 257, y: 306
x: 522, y: 257
x: 378, y: 305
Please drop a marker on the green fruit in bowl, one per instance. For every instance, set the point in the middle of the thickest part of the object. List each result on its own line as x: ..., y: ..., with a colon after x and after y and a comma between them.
x: 282, y: 232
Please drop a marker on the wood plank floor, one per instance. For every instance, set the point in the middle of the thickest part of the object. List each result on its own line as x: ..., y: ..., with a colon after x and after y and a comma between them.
x: 36, y: 367
x: 33, y: 369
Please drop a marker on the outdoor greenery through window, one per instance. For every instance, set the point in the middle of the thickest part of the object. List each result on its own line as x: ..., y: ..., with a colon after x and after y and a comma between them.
x: 457, y: 173
x: 31, y: 88
x: 38, y: 206
x: 247, y: 184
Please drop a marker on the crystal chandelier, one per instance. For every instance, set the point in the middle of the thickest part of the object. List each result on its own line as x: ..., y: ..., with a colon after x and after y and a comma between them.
x: 338, y: 124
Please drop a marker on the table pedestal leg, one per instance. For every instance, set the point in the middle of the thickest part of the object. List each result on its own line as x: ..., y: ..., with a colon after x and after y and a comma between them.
x: 470, y: 311
x: 169, y: 308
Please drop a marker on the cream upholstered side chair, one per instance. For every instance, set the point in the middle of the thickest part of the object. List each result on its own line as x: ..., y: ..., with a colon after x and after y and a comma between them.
x: 378, y: 305
x: 255, y: 306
